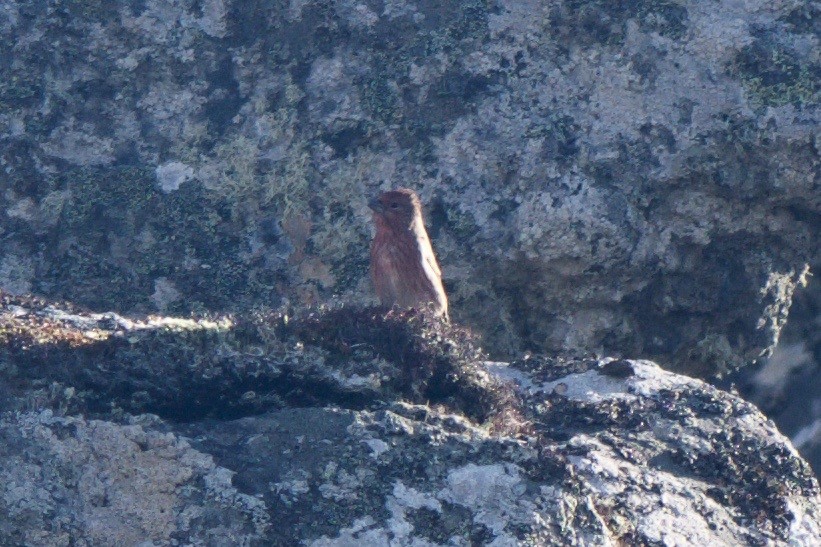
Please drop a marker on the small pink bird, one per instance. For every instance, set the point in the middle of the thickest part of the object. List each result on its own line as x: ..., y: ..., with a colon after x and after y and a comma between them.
x: 403, y: 267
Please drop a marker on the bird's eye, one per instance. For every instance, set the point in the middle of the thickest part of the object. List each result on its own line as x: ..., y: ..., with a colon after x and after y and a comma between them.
x: 394, y: 205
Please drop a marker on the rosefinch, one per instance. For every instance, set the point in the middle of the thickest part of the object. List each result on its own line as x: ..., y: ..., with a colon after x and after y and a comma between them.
x: 403, y: 267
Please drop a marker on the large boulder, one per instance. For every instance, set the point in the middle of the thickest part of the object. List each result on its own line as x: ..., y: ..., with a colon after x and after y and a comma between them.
x: 353, y: 426
x: 633, y: 177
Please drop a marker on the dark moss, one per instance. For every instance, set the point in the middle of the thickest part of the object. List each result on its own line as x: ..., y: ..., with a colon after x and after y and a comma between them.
x: 565, y: 417
x: 19, y: 89
x: 743, y: 471
x: 180, y: 374
x: 602, y: 21
x: 460, y: 89
x: 740, y: 467
x: 546, y: 368
x: 183, y: 374
x: 354, y: 267
x: 438, y: 362
x: 103, y: 198
x: 121, y: 233
x: 559, y: 134
x: 93, y: 10
x: 805, y: 18
x: 349, y: 138
x: 471, y: 19
x: 459, y: 223
x: 387, y: 92
x: 440, y: 526
x: 480, y: 534
x: 224, y: 99
x: 20, y: 163
x: 380, y: 98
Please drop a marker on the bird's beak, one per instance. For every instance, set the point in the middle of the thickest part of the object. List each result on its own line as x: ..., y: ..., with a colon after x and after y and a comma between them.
x: 375, y: 205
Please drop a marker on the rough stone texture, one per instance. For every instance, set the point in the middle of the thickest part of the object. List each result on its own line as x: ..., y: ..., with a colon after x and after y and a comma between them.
x: 787, y: 386
x: 638, y: 178
x: 69, y: 481
x: 625, y: 178
x: 448, y: 450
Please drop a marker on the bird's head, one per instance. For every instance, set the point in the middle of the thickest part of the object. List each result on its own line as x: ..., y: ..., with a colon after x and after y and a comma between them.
x: 396, y: 208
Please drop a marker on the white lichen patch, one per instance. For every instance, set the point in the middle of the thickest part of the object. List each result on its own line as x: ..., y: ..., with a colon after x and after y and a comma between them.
x: 165, y: 293
x: 666, y: 500
x: 397, y: 8
x: 404, y: 499
x: 79, y: 146
x: 494, y: 494
x: 341, y: 486
x: 591, y: 386
x: 293, y: 487
x: 213, y: 21
x: 172, y: 174
x: 361, y: 532
x: 377, y: 446
x: 24, y: 209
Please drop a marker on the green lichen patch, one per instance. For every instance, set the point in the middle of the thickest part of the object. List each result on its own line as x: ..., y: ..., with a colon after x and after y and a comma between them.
x: 380, y: 95
x: 775, y: 75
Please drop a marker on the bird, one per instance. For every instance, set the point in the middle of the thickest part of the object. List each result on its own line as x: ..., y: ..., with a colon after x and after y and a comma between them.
x: 403, y: 267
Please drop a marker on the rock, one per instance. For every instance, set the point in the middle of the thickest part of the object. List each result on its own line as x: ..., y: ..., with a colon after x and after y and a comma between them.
x: 68, y: 480
x: 787, y: 385
x: 371, y: 428
x: 637, y: 179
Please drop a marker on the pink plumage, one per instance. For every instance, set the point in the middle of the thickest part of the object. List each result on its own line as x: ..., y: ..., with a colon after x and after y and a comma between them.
x: 403, y: 267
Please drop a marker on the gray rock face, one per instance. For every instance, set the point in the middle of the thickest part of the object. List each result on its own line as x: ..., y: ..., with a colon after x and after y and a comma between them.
x: 355, y: 427
x: 787, y: 386
x: 638, y: 178
x: 626, y: 178
x: 70, y: 481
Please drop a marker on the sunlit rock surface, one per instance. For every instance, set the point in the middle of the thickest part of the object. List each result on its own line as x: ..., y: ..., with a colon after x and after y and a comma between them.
x: 638, y: 178
x: 353, y: 425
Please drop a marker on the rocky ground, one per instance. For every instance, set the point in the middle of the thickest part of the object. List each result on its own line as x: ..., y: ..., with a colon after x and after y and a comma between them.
x: 357, y: 426
x: 636, y: 180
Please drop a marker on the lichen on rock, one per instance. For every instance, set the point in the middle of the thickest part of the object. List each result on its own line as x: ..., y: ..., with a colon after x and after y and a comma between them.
x: 363, y: 424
